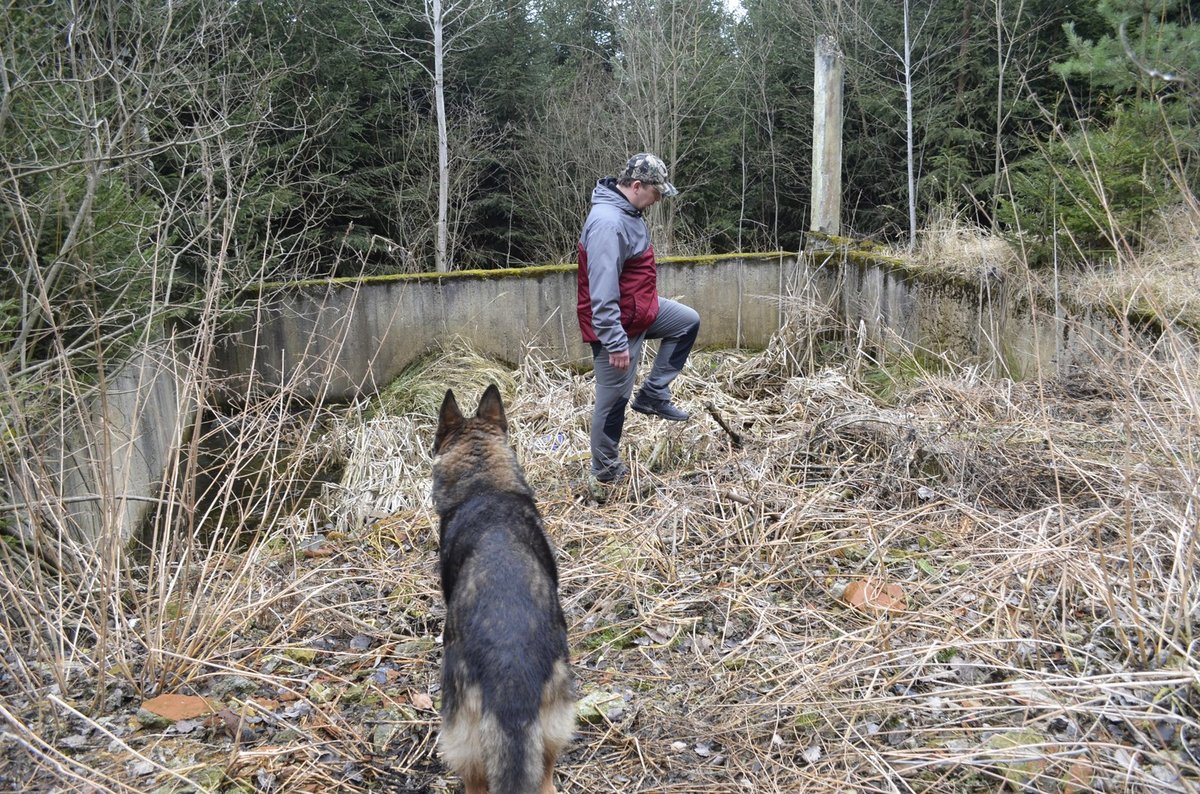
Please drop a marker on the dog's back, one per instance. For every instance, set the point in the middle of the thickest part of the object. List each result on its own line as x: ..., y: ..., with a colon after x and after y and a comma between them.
x: 507, y: 704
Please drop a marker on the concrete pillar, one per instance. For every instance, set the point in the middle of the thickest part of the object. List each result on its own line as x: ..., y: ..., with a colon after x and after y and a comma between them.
x: 827, y: 138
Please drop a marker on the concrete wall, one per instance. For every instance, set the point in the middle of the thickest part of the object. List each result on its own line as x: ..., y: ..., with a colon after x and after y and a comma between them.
x: 984, y: 321
x: 336, y: 340
x: 107, y: 465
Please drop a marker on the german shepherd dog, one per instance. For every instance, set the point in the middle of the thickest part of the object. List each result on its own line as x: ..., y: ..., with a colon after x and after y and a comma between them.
x: 508, y: 705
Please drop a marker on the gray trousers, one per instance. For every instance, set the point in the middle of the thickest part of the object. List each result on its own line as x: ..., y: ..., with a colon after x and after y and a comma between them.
x: 677, y: 326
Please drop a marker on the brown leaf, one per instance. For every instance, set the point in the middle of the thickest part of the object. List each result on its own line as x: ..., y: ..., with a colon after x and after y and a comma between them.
x: 266, y: 704
x: 421, y: 701
x: 872, y: 595
x: 178, y: 707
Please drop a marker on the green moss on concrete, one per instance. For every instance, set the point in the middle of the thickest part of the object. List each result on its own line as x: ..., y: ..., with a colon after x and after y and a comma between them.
x: 533, y: 271
x: 355, y: 281
x: 711, y: 259
x: 862, y: 252
x: 1144, y: 315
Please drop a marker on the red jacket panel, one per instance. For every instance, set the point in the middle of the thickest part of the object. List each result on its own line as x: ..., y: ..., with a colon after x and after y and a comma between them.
x: 638, y: 283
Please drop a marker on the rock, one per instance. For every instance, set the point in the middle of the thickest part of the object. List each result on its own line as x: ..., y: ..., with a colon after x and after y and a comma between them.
x: 301, y: 655
x: 228, y: 685
x: 600, y: 706
x: 1022, y: 756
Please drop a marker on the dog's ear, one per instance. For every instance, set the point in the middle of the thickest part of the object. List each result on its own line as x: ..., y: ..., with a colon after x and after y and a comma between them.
x: 449, y: 420
x: 491, y: 408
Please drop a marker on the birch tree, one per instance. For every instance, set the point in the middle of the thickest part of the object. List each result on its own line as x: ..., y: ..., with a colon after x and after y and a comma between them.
x: 446, y: 26
x: 676, y: 72
x: 901, y: 53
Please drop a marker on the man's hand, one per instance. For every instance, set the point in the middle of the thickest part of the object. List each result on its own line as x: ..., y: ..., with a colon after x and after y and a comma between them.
x: 619, y: 360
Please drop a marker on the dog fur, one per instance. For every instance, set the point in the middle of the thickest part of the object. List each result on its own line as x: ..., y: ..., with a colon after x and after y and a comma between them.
x: 508, y: 705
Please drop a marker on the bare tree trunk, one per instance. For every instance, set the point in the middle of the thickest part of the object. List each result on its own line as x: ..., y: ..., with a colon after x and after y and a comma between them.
x: 999, y: 109
x: 907, y: 121
x: 1003, y: 58
x: 908, y: 133
x: 451, y: 23
x: 964, y: 49
x: 439, y: 92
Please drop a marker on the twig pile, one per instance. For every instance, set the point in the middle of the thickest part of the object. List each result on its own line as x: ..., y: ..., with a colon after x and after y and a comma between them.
x: 968, y: 585
x: 1038, y: 539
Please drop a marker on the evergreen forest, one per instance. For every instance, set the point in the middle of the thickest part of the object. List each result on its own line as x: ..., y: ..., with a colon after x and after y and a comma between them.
x: 280, y: 139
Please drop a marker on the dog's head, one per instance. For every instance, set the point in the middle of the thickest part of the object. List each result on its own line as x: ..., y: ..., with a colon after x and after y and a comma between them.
x: 471, y: 453
x: 489, y: 418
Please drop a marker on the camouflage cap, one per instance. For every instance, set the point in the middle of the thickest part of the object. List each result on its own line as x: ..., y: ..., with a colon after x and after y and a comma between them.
x: 647, y: 168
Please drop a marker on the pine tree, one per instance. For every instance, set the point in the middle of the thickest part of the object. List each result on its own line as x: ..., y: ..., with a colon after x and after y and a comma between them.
x: 1135, y: 142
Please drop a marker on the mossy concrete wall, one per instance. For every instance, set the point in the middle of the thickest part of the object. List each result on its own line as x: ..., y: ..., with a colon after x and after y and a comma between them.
x: 340, y: 339
x: 108, y: 465
x: 979, y: 319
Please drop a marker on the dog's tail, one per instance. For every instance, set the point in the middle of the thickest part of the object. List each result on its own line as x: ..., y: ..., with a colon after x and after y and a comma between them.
x: 519, y: 767
x: 513, y: 748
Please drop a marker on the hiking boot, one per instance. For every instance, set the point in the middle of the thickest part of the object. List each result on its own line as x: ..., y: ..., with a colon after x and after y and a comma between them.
x: 617, y: 484
x: 600, y: 490
x: 601, y: 486
x: 661, y: 408
x: 613, y: 474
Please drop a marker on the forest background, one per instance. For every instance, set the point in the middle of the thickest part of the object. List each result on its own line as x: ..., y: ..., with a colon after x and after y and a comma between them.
x: 162, y: 155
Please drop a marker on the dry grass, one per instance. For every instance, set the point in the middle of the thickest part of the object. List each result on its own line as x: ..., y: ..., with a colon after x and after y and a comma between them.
x: 1043, y: 563
x: 950, y: 244
x: 1042, y: 537
x: 1162, y: 281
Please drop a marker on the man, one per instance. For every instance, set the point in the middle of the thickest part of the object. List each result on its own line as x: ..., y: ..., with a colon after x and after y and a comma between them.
x: 619, y: 308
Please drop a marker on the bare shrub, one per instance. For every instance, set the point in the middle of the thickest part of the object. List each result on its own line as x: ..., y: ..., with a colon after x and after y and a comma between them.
x: 950, y: 244
x: 1161, y: 281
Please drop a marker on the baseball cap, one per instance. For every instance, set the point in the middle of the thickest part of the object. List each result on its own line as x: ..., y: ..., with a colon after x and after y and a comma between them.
x: 647, y: 168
